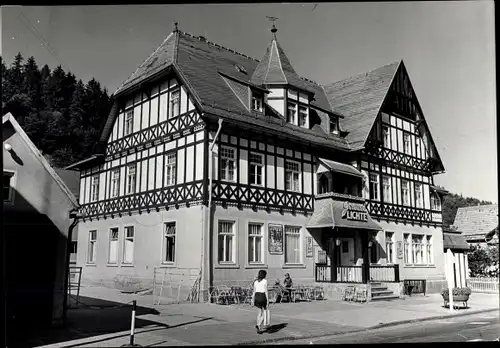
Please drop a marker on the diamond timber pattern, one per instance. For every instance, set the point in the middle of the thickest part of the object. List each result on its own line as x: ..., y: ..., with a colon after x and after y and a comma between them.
x: 392, y: 211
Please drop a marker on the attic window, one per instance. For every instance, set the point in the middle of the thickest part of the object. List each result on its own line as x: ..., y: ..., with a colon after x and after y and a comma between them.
x: 334, y: 125
x: 241, y: 68
x: 257, y: 101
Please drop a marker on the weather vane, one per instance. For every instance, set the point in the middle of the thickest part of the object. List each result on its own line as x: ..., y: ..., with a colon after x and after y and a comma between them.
x: 273, y: 30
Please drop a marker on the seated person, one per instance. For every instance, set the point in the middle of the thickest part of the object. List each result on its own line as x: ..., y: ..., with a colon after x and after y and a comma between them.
x: 288, y: 281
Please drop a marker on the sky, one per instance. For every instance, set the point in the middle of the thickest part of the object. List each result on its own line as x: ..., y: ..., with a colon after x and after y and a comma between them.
x: 448, y: 49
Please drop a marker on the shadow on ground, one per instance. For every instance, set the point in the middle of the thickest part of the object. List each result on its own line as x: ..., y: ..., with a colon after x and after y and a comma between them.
x: 276, y: 328
x: 91, y: 317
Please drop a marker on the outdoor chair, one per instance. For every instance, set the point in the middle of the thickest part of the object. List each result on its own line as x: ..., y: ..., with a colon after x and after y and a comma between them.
x: 223, y: 294
x: 237, y: 294
x: 360, y: 295
x: 319, y: 293
x: 247, y: 294
x: 348, y: 294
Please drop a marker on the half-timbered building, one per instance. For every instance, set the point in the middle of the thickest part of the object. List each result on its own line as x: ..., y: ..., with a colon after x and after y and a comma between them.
x: 215, y: 161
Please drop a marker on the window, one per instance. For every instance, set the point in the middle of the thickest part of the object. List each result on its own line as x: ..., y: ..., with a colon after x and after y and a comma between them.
x: 94, y: 189
x: 389, y: 246
x: 8, y: 183
x: 175, y: 104
x: 92, y: 247
x: 170, y: 169
x: 113, y: 246
x: 129, y: 122
x: 387, y: 191
x: 115, y: 183
x: 255, y: 245
x: 385, y: 136
x: 256, y: 102
x: 417, y: 148
x: 131, y: 179
x: 418, y: 195
x: 169, y: 243
x: 418, y: 249
x: 292, y: 113
x: 292, y: 176
x: 435, y: 202
x: 292, y: 245
x: 128, y: 247
x: 406, y: 143
x: 374, y: 187
x: 406, y: 248
x: 405, y: 194
x: 227, y: 166
x: 302, y: 116
x: 428, y: 249
x: 256, y: 168
x: 334, y: 125
x: 226, y: 242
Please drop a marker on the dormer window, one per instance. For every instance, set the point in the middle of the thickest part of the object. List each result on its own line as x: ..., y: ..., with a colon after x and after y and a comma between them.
x: 291, y: 116
x: 256, y: 101
x: 175, y: 103
x: 302, y: 116
x: 334, y: 125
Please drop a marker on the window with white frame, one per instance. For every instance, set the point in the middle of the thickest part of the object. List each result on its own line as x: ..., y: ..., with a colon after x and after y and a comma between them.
x: 418, y: 195
x: 227, y: 163
x: 131, y: 178
x: 169, y: 233
x: 292, y: 245
x: 291, y: 116
x: 374, y: 187
x: 256, y: 169
x: 8, y: 183
x: 292, y: 176
x: 389, y: 246
x: 406, y: 248
x: 334, y: 125
x: 115, y: 183
x: 128, y: 245
x: 113, y: 246
x: 257, y: 101
x: 129, y: 122
x: 226, y: 242
x: 91, y: 255
x: 435, y: 202
x: 406, y: 143
x: 94, y: 188
x: 417, y: 148
x: 170, y: 168
x: 255, y: 244
x: 302, y: 116
x: 428, y: 250
x: 387, y: 190
x: 418, y: 249
x: 405, y: 192
x: 386, y: 136
x: 175, y: 103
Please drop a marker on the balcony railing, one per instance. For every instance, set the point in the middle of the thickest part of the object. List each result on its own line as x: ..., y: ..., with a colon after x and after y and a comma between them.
x: 354, y: 274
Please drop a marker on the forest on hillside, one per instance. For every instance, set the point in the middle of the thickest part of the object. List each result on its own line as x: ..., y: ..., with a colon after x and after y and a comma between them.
x: 63, y: 116
x: 60, y: 114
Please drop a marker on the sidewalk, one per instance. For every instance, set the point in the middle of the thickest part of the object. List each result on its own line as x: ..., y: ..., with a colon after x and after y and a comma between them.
x: 200, y: 324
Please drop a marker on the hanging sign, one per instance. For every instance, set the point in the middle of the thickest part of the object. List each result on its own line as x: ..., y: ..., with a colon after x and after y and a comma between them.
x: 355, y: 212
x: 275, y: 239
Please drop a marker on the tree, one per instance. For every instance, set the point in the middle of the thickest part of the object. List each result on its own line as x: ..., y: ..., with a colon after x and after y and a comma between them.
x: 483, y: 261
x: 32, y: 83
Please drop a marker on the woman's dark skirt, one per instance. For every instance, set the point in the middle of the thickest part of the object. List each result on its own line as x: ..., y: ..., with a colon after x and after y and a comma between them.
x: 260, y: 300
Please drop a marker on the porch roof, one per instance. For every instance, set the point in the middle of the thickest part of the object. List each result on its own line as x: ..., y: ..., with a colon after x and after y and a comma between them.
x: 333, y: 213
x: 341, y: 167
x: 454, y: 241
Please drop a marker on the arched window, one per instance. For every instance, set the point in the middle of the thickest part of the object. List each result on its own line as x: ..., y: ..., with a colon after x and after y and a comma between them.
x: 323, y: 184
x: 435, y: 202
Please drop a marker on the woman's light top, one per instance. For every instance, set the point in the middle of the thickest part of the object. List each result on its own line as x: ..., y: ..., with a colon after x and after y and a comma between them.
x: 260, y: 286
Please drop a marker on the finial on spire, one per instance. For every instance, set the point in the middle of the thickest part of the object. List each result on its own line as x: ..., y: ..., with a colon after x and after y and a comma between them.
x: 176, y: 29
x: 273, y: 30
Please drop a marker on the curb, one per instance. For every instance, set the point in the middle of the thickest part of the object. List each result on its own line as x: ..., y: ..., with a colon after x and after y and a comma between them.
x: 371, y: 328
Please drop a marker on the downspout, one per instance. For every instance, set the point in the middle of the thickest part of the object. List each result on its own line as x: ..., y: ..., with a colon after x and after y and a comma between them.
x: 209, y: 207
x: 73, y: 214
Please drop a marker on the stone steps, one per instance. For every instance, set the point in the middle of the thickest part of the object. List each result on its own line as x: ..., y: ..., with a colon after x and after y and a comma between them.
x: 385, y: 298
x: 381, y: 293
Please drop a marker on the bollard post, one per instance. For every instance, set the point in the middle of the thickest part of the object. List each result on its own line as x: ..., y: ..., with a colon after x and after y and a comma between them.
x: 134, y: 305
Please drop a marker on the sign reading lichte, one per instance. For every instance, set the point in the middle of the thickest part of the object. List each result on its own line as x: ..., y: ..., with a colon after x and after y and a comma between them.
x: 355, y: 212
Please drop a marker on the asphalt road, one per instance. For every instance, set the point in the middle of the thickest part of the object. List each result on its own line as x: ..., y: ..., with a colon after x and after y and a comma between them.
x: 483, y: 327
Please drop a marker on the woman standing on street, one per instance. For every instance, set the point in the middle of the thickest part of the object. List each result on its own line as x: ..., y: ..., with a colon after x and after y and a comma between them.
x: 260, y: 299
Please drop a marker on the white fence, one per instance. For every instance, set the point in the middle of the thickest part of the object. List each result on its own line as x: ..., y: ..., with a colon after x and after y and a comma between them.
x: 483, y: 284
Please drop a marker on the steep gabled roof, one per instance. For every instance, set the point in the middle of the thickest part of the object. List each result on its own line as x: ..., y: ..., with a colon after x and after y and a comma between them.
x: 359, y: 99
x: 8, y: 118
x: 476, y: 221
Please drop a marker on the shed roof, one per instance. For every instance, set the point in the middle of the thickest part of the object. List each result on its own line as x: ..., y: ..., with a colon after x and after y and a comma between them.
x: 476, y: 221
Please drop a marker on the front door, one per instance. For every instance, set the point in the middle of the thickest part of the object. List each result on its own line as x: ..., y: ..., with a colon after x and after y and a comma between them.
x: 346, y: 251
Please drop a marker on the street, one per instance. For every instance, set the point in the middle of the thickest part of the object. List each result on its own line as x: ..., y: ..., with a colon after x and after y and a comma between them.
x: 483, y: 326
